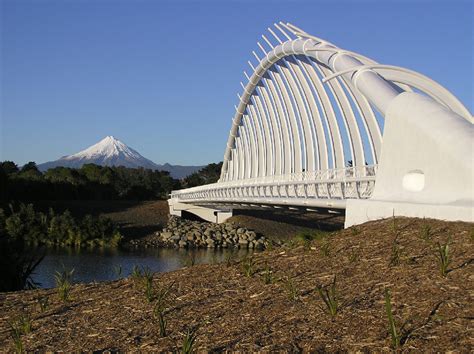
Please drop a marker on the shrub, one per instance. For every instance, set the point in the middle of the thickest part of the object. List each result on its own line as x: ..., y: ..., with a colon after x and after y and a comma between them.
x: 17, y: 261
x: 51, y: 229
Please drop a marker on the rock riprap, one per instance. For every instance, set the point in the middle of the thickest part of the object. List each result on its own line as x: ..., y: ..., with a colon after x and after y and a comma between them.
x: 196, y: 234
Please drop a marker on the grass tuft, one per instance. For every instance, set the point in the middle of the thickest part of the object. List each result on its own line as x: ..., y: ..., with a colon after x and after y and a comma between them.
x: 230, y: 258
x: 267, y: 274
x: 248, y: 266
x: 329, y: 297
x: 354, y: 256
x: 15, y: 333
x: 64, y: 284
x: 395, y: 254
x: 43, y: 303
x: 291, y: 288
x: 443, y: 258
x: 147, y: 276
x: 325, y: 248
x: 118, y: 270
x: 163, y: 296
x: 426, y: 232
x: 392, y: 327
x: 190, y: 259
x: 19, y: 327
x: 189, y: 340
x: 355, y: 230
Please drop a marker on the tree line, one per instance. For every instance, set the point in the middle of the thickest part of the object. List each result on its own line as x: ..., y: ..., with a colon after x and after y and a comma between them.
x: 93, y: 182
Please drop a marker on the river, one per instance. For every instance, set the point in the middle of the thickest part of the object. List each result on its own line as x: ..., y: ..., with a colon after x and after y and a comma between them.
x: 111, y: 264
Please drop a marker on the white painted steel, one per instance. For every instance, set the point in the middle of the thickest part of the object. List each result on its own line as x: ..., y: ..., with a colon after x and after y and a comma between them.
x: 306, y: 130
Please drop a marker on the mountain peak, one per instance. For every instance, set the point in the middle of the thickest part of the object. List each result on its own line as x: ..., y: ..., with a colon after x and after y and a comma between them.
x: 106, y: 148
x: 112, y: 152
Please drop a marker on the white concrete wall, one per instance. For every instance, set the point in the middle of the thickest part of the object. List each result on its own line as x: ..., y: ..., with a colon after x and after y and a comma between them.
x: 426, y: 164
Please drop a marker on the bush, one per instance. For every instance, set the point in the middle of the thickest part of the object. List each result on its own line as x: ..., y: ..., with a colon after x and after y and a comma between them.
x: 23, y: 228
x: 36, y: 228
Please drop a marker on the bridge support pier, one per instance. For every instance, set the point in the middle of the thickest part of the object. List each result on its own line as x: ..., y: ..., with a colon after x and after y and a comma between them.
x: 425, y: 169
x: 212, y: 215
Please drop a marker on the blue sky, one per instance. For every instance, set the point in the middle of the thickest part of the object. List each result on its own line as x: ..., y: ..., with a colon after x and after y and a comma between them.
x: 162, y: 76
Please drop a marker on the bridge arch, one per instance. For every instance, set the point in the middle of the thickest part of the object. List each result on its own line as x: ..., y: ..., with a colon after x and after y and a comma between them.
x: 319, y: 127
x: 297, y: 114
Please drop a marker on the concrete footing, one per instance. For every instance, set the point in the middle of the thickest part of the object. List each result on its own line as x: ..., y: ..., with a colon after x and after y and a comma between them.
x: 212, y: 215
x: 359, y: 211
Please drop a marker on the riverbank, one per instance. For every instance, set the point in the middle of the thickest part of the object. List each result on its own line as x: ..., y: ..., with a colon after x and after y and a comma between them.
x: 141, y: 221
x: 271, y: 302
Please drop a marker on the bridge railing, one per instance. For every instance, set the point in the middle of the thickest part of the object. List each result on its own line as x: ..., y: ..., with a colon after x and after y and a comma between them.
x: 346, y: 183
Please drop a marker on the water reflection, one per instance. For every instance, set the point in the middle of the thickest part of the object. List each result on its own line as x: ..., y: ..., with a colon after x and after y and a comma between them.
x: 103, y: 264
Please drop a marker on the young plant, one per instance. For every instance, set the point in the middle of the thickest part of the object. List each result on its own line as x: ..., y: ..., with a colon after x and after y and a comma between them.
x: 190, y: 259
x: 43, y: 303
x: 325, y: 248
x: 443, y: 258
x: 15, y: 333
x: 425, y: 232
x: 189, y: 340
x: 229, y: 258
x: 148, y: 283
x: 64, y: 284
x: 305, y: 239
x: 329, y: 297
x: 248, y: 266
x: 354, y: 256
x: 267, y: 274
x: 214, y: 259
x: 291, y: 288
x: 118, y: 271
x: 162, y: 300
x: 136, y: 273
x: 395, y: 254
x: 18, y: 328
x: 355, y: 231
x: 394, y: 225
x: 159, y: 313
x: 392, y: 327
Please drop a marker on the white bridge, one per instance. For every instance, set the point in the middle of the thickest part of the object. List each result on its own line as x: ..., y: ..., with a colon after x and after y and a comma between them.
x: 322, y: 128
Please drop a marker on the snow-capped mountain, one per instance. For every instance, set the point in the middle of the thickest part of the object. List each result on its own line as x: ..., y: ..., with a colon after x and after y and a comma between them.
x: 112, y: 152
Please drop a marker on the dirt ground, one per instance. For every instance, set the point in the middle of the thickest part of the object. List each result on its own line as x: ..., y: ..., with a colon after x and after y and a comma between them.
x: 284, y: 311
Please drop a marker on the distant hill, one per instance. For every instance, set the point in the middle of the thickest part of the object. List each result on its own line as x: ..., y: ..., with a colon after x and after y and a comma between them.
x: 112, y: 152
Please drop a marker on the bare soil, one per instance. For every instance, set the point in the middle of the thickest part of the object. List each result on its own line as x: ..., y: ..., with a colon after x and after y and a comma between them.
x: 232, y: 311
